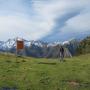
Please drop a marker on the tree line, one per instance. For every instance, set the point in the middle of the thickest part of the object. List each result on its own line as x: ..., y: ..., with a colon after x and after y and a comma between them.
x: 84, y: 46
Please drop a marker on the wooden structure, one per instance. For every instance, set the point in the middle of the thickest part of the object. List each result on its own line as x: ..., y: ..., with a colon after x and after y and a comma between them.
x: 20, y: 49
x: 20, y: 44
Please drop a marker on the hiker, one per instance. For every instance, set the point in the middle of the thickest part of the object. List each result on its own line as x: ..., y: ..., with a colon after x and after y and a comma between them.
x: 62, y: 53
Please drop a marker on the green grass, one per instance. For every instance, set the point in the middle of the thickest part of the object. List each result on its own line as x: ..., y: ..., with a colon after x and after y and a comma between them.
x: 44, y: 74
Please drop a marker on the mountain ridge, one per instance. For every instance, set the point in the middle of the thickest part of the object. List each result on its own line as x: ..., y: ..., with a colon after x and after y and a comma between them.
x: 40, y: 48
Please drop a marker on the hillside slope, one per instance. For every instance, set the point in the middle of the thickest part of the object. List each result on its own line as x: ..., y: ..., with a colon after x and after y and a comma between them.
x: 84, y: 46
x: 44, y: 74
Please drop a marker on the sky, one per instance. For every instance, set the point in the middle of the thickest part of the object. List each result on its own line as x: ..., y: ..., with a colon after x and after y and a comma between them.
x: 46, y: 20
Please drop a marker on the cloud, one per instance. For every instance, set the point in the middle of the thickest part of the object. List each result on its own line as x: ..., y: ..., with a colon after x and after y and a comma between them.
x: 15, y: 23
x: 74, y: 23
x: 80, y: 23
x: 12, y: 26
x: 48, y: 20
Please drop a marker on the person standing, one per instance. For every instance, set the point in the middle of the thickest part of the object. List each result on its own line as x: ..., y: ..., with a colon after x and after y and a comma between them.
x: 62, y: 53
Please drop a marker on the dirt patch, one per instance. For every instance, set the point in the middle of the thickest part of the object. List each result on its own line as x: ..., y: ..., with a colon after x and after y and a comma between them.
x: 78, y: 84
x: 74, y: 83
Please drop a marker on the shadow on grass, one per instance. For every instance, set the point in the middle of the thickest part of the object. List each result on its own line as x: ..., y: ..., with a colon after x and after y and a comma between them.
x: 8, y: 61
x: 8, y: 88
x: 47, y: 63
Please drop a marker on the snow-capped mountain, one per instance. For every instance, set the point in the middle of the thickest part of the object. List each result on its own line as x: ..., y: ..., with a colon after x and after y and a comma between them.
x: 39, y: 43
x: 54, y: 44
x: 10, y: 43
x: 39, y: 48
x: 1, y: 44
x: 71, y: 45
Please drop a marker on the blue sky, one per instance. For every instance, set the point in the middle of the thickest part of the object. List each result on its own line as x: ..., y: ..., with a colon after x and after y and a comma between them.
x: 47, y: 20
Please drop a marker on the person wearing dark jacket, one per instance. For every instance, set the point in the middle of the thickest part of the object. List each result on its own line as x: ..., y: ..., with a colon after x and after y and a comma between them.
x: 62, y: 53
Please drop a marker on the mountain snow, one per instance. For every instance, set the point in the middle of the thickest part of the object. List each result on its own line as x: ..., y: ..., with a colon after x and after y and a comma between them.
x: 10, y: 43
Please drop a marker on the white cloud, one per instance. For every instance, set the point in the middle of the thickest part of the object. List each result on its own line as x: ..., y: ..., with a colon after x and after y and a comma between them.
x: 37, y: 20
x: 13, y: 26
x: 80, y: 22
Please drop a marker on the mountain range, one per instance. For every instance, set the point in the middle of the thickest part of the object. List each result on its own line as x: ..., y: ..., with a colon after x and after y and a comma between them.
x: 41, y: 49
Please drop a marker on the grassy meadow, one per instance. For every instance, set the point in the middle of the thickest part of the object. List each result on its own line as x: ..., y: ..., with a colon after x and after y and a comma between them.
x: 44, y: 74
